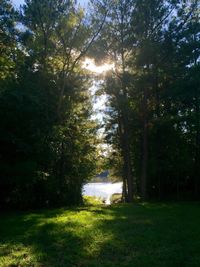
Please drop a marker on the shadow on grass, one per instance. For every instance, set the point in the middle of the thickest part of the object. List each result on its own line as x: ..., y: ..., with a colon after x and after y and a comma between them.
x: 39, y: 239
x: 145, y: 235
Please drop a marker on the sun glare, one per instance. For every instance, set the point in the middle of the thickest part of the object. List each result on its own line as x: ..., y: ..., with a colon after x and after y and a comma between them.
x: 90, y: 65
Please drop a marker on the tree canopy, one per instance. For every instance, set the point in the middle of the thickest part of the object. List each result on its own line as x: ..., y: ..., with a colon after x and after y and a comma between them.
x: 48, y: 139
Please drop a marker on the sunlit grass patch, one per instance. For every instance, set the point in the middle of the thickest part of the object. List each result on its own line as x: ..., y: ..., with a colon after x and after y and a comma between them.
x: 91, y: 201
x: 123, y: 235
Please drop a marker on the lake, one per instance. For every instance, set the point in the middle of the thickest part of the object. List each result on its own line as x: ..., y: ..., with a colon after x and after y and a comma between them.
x: 102, y: 190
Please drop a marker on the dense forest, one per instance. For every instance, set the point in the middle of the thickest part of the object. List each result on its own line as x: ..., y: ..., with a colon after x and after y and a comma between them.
x: 48, y: 139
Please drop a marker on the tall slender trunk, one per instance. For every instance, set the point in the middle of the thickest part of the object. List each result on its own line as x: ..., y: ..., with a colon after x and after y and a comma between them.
x: 124, y: 177
x: 129, y: 176
x: 127, y: 170
x: 124, y: 190
x: 197, y: 146
x: 144, y: 148
x: 157, y: 140
x: 125, y: 115
x: 126, y: 149
x: 197, y: 124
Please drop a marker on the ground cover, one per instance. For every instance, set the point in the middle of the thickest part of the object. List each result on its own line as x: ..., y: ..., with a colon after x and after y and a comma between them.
x: 123, y: 235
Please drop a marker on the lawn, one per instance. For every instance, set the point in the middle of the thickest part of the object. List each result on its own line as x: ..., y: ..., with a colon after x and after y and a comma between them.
x: 122, y: 235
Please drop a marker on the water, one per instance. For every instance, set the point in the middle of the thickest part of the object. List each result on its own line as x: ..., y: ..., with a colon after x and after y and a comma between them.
x: 102, y: 190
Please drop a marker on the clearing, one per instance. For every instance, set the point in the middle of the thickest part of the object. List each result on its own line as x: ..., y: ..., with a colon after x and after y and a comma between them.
x: 128, y: 235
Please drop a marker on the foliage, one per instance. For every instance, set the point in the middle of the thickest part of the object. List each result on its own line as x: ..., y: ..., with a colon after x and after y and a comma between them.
x: 152, y: 118
x: 49, y: 144
x: 91, y: 201
x: 47, y: 135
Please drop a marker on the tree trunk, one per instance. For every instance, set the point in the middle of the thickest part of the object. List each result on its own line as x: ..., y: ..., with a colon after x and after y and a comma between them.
x: 197, y: 147
x: 127, y: 170
x: 127, y: 150
x: 125, y: 116
x: 157, y: 140
x: 144, y: 148
x: 197, y: 124
x: 124, y: 190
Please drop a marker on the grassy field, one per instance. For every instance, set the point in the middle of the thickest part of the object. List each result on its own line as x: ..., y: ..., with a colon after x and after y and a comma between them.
x: 135, y: 235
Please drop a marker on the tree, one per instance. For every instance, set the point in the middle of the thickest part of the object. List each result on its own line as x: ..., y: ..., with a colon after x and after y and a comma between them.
x: 113, y: 44
x: 52, y: 139
x: 152, y: 45
x: 7, y: 40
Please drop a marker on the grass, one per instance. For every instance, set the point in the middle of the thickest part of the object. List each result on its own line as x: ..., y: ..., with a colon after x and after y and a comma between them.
x: 122, y: 235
